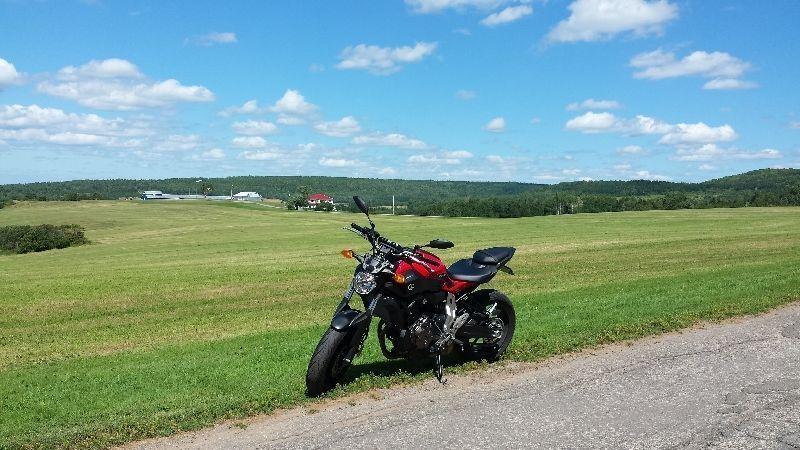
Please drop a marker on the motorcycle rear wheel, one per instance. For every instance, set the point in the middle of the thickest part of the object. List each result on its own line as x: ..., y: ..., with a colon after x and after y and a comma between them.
x: 502, y: 312
x: 327, y: 364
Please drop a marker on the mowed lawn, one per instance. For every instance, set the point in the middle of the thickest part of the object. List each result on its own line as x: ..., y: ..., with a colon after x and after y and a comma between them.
x: 180, y: 314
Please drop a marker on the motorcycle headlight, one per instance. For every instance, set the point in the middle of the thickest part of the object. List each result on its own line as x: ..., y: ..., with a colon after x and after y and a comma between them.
x: 364, y: 283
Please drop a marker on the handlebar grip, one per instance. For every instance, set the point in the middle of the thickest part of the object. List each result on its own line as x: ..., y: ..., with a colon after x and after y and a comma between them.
x: 359, y: 228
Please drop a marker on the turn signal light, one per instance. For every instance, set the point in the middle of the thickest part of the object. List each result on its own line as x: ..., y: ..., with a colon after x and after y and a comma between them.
x: 399, y: 278
x: 347, y: 253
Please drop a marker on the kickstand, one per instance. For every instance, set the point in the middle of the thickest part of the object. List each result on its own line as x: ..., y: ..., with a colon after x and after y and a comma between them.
x: 439, y: 371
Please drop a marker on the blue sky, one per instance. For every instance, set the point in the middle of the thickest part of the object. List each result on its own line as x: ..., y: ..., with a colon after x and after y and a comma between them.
x: 534, y: 91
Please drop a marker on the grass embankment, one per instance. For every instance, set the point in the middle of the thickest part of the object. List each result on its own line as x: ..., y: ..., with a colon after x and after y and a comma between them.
x: 183, y: 313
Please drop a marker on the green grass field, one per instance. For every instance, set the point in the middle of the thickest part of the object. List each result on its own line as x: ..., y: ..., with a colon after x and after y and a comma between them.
x: 180, y: 314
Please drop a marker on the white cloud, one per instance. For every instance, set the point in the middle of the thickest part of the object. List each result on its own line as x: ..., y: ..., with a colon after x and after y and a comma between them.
x: 316, y: 68
x: 432, y: 160
x: 447, y: 157
x: 346, y: 126
x: 795, y: 125
x: 249, y: 142
x: 254, y: 128
x: 261, y: 155
x: 433, y: 6
x: 293, y: 104
x: 337, y: 162
x: 8, y: 74
x: 708, y: 152
x: 723, y: 68
x: 107, y: 68
x: 594, y: 104
x: 177, y: 142
x: 249, y: 107
x: 458, y: 154
x: 594, y: 20
x: 383, y: 60
x: 495, y: 159
x: 605, y: 122
x: 35, y: 124
x: 698, y: 133
x: 387, y: 171
x: 536, y: 121
x: 657, y: 65
x: 116, y: 84
x: 33, y: 135
x: 509, y: 14
x: 703, y: 153
x: 571, y: 172
x: 422, y: 159
x: 496, y: 125
x: 464, y: 94
x: 283, y: 119
x: 592, y: 122
x: 647, y: 175
x: 214, y: 154
x: 767, y: 153
x: 390, y: 140
x: 729, y: 83
x: 631, y: 150
x: 706, y: 167
x: 212, y: 38
x: 627, y: 171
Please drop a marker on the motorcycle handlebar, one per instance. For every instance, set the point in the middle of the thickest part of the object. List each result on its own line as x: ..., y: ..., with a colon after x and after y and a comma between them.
x: 373, y: 237
x: 360, y: 229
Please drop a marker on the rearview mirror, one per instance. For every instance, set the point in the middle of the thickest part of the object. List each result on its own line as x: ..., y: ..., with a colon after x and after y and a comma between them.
x: 361, y: 205
x: 441, y: 244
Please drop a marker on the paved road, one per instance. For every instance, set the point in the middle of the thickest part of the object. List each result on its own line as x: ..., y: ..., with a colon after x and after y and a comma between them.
x: 732, y: 385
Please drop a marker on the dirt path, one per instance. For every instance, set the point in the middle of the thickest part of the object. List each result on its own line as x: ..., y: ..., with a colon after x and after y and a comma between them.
x: 728, y: 385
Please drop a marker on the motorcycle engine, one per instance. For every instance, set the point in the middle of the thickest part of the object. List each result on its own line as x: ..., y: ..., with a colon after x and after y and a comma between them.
x: 426, y: 330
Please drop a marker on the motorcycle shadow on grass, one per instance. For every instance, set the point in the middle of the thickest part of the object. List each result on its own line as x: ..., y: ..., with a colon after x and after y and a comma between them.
x: 399, y: 367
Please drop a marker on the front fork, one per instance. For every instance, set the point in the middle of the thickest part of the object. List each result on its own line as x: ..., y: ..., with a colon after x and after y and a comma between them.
x: 353, y: 322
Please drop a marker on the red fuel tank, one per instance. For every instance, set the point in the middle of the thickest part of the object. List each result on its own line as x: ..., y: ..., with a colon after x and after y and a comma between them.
x: 432, y: 268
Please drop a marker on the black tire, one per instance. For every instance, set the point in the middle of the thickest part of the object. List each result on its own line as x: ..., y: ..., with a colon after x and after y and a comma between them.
x: 504, y: 311
x: 326, y: 366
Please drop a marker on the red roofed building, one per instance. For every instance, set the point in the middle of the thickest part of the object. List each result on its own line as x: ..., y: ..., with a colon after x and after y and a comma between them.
x: 316, y: 199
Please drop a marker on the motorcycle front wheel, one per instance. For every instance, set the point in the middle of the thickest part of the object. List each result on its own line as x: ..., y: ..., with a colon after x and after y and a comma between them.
x: 328, y: 363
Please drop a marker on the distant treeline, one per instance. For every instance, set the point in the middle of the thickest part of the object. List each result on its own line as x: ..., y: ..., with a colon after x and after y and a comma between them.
x: 378, y: 191
x: 543, y: 204
x: 765, y: 187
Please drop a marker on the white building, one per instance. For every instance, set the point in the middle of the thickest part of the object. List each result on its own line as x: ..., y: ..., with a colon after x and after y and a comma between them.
x: 248, y: 196
x: 154, y: 195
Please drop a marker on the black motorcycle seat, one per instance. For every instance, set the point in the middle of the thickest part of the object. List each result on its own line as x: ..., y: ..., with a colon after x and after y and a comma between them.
x: 483, y: 266
x: 494, y: 256
x: 469, y: 270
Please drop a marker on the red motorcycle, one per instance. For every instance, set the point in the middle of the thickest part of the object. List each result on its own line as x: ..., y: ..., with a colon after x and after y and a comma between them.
x: 425, y: 309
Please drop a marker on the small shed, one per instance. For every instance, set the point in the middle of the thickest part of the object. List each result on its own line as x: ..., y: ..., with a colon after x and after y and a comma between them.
x: 248, y: 196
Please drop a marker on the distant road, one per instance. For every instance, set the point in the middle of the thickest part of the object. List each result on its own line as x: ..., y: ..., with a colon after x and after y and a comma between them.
x: 733, y: 385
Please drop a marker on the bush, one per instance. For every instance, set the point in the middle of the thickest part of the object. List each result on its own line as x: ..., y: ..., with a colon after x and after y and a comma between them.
x: 324, y: 206
x: 38, y: 238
